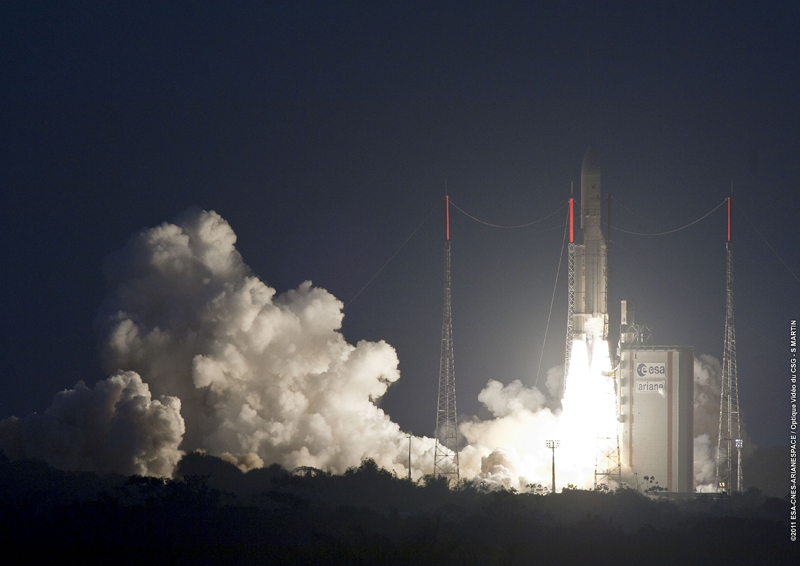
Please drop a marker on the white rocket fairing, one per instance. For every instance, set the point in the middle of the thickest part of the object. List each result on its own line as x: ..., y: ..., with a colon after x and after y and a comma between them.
x: 590, y: 313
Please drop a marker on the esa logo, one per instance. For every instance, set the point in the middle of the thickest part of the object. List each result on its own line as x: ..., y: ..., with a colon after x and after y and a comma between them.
x: 651, y: 370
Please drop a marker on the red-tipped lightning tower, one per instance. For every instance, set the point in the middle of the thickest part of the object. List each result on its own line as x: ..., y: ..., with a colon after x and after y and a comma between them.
x: 445, y: 461
x: 447, y: 218
x: 729, y: 466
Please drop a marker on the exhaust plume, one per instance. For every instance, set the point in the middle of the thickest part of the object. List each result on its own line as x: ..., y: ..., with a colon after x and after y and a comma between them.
x: 204, y: 356
x: 262, y: 378
x: 114, y: 427
x: 707, y: 388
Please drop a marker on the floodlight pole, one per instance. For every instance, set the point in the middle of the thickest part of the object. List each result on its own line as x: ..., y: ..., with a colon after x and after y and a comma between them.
x: 552, y: 445
x: 738, y: 442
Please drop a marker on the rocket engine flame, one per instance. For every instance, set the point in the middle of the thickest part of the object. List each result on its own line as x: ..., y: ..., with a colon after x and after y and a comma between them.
x: 589, y: 414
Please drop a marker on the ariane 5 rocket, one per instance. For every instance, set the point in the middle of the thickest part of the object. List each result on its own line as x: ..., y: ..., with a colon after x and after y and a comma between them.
x: 590, y: 312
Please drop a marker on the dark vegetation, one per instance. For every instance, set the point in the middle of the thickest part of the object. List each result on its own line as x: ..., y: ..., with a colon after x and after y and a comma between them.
x: 212, y: 513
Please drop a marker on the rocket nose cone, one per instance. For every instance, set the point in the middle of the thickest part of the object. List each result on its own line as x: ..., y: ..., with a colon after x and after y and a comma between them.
x: 591, y: 165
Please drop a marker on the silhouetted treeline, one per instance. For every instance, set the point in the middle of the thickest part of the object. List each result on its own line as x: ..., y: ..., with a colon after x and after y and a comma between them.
x: 213, y: 513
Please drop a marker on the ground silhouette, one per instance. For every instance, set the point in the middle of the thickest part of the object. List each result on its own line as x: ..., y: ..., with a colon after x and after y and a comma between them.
x: 212, y: 513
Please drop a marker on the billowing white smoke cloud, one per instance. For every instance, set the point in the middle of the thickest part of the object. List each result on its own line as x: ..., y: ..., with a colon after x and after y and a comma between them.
x: 258, y: 378
x: 707, y: 388
x: 707, y: 378
x: 504, y: 400
x: 705, y: 464
x: 509, y: 451
x: 555, y: 382
x: 114, y: 427
x: 261, y: 378
x: 501, y: 468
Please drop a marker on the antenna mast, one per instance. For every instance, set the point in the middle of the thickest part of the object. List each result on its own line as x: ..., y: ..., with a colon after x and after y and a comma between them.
x: 445, y: 461
x: 729, y: 467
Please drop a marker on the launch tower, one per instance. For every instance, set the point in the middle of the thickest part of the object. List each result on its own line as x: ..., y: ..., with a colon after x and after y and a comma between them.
x: 729, y: 466
x: 570, y: 292
x: 445, y: 462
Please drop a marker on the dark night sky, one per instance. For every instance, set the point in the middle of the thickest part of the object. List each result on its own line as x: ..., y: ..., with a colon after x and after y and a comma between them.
x: 324, y: 133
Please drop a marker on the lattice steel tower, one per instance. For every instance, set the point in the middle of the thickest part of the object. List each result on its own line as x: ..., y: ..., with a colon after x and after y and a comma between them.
x: 445, y: 462
x: 729, y: 466
x: 570, y: 295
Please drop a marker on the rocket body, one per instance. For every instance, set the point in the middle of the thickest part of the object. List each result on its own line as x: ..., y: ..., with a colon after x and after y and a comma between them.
x: 590, y: 313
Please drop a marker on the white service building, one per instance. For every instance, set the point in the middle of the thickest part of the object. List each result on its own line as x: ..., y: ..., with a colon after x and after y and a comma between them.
x: 655, y: 402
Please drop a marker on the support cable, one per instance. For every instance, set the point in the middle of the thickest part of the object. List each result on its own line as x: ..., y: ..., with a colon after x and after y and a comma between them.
x: 766, y: 242
x: 632, y: 212
x: 390, y: 259
x: 552, y: 299
x: 676, y: 229
x: 502, y: 226
x: 768, y: 342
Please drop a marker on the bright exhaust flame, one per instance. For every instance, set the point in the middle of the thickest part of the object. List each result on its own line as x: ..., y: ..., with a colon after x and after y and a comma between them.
x: 588, y: 420
x: 510, y: 450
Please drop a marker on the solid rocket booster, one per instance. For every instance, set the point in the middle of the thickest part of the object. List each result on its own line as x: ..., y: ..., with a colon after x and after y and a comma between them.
x: 590, y: 312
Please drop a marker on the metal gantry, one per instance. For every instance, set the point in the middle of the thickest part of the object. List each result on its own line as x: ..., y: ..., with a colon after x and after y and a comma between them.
x: 445, y: 462
x: 570, y: 295
x: 607, y: 468
x: 570, y: 309
x: 729, y: 467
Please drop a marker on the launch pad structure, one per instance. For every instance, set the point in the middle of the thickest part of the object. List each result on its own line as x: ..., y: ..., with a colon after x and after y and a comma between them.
x: 652, y: 386
x: 570, y: 292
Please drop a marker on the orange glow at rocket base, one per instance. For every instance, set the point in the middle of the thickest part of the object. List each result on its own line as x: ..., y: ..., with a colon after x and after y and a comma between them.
x: 447, y: 216
x: 571, y: 201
